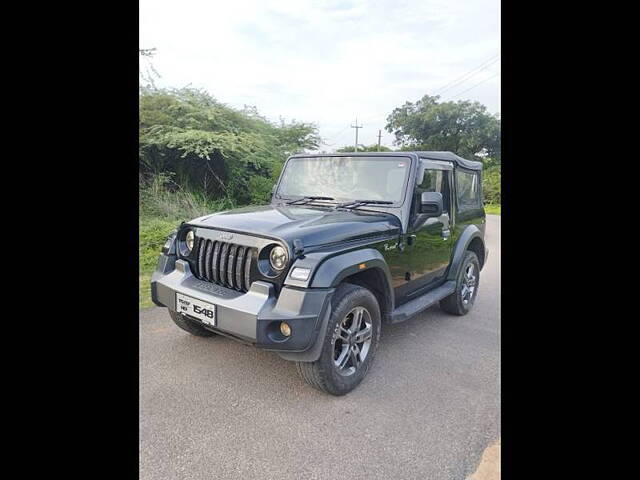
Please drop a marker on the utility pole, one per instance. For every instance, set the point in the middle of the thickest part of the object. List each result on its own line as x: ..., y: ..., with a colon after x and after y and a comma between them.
x: 379, y: 136
x: 356, y: 127
x: 147, y: 52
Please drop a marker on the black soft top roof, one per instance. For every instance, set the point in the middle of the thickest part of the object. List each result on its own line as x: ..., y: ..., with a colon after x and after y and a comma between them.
x: 446, y: 156
x: 451, y: 157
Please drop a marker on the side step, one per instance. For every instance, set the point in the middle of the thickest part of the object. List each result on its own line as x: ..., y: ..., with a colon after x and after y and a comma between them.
x: 417, y: 305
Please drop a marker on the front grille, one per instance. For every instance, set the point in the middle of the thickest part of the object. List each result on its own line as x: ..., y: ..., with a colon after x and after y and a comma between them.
x: 226, y: 264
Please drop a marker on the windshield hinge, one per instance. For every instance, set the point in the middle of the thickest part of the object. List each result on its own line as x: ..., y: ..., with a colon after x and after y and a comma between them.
x: 298, y: 248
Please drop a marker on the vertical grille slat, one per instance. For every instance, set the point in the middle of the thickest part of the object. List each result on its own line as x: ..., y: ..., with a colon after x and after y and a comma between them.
x: 247, y: 269
x: 207, y: 260
x: 226, y: 264
x: 231, y: 266
x: 240, y: 268
x: 223, y: 263
x: 215, y: 261
x: 200, y: 262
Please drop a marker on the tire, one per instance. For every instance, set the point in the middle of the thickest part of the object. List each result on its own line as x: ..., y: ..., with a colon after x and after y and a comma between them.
x: 461, y: 301
x: 348, y: 303
x: 189, y: 325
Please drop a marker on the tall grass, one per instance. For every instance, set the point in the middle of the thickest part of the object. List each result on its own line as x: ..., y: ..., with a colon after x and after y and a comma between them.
x: 160, y: 197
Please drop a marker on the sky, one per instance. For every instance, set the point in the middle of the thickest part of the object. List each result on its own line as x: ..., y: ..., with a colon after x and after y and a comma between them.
x: 327, y: 62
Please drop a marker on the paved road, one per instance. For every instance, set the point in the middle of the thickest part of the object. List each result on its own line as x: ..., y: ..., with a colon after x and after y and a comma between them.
x: 215, y: 409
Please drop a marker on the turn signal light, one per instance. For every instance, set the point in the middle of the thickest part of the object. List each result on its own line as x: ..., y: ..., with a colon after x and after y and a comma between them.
x: 300, y: 273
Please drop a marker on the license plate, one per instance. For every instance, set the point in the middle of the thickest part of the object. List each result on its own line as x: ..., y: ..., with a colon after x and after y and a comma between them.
x: 203, y: 311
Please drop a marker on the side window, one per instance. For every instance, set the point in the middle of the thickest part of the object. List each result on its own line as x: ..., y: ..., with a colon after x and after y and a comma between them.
x: 434, y: 181
x: 467, y: 189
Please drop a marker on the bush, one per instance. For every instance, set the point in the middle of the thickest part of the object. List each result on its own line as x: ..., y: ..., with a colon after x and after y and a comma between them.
x: 260, y: 189
x: 491, y: 185
x: 153, y: 233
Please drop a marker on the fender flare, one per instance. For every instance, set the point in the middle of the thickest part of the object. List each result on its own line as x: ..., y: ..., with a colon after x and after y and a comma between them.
x: 328, y: 270
x: 334, y: 269
x: 468, y: 235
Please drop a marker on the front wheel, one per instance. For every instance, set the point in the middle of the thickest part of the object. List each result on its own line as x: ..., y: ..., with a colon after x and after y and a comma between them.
x: 461, y: 301
x: 350, y: 344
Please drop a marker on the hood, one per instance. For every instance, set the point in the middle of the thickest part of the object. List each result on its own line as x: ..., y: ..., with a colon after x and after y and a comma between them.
x: 313, y: 226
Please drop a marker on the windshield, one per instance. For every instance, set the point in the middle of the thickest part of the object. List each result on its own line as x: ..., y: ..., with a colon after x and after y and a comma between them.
x: 345, y: 178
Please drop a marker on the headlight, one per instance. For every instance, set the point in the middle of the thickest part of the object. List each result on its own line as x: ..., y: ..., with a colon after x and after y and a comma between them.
x: 189, y: 239
x: 278, y: 257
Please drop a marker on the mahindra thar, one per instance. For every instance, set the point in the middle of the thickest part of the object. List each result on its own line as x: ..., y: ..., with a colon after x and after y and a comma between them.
x: 349, y: 241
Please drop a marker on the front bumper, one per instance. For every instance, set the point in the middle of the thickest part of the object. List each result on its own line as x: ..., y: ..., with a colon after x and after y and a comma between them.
x: 252, y: 317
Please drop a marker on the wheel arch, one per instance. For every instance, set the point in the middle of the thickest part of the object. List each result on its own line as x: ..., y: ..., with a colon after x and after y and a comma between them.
x: 470, y: 239
x: 374, y: 280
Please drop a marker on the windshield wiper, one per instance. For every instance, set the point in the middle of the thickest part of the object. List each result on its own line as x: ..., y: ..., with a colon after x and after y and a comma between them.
x: 357, y: 203
x: 308, y: 199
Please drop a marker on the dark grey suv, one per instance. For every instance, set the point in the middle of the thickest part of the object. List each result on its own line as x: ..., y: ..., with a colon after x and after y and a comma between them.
x: 349, y: 241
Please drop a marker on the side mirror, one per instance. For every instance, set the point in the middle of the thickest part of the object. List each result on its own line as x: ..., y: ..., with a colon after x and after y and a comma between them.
x: 431, y: 204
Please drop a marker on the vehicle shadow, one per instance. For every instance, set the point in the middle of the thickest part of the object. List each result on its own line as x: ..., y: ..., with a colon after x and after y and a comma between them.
x: 421, y: 340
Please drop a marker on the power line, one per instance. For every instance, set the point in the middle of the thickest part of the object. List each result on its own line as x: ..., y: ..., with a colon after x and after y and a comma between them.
x: 471, y: 73
x: 469, y: 77
x: 492, y: 58
x: 479, y: 83
x: 337, y: 135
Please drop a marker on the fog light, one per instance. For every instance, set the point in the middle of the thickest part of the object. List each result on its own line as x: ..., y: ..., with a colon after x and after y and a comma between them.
x: 285, y: 329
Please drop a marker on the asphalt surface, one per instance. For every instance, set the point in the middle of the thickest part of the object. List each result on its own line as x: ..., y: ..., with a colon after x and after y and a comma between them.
x: 211, y: 408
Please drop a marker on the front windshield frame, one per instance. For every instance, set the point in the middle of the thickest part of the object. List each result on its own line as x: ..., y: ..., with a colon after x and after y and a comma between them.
x: 328, y: 203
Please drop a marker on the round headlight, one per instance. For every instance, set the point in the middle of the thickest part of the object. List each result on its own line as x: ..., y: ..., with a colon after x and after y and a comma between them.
x: 189, y: 240
x: 278, y: 257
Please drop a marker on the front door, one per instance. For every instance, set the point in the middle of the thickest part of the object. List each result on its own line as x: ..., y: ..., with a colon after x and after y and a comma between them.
x: 428, y: 242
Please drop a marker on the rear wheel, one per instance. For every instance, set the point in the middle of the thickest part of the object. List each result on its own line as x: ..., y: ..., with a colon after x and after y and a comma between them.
x: 350, y: 344
x: 189, y: 325
x: 461, y: 301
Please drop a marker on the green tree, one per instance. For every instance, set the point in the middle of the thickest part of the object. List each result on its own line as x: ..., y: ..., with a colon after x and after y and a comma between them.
x: 465, y: 128
x: 365, y: 148
x: 205, y: 146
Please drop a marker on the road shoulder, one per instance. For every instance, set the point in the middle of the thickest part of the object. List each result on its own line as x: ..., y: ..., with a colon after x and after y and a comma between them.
x: 489, y: 467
